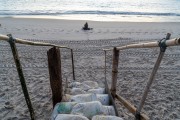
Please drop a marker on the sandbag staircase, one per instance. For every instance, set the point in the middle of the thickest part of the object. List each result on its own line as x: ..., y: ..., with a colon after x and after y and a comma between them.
x: 84, y: 101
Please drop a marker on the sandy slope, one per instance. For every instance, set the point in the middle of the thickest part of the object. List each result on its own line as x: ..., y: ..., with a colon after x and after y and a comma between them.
x: 135, y: 65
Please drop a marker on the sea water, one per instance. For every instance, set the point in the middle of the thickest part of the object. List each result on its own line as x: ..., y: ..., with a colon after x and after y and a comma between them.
x: 97, y: 10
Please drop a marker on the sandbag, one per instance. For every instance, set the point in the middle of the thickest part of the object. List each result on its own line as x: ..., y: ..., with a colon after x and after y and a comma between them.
x: 86, y: 85
x: 97, y: 91
x: 76, y: 91
x: 66, y: 98
x: 103, y: 98
x: 75, y: 84
x: 62, y: 108
x: 70, y: 117
x: 88, y: 109
x: 108, y: 110
x: 83, y: 98
x: 91, y: 84
x: 103, y: 117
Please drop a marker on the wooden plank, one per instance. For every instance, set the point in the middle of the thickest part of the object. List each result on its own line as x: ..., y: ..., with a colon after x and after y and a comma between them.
x: 54, y: 65
x: 130, y: 107
x: 114, y: 71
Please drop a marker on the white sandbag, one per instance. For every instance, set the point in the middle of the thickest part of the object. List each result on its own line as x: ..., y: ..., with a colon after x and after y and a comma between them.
x: 75, y: 84
x: 91, y: 84
x: 103, y: 117
x: 83, y: 98
x: 76, y: 91
x: 103, y: 98
x: 79, y: 85
x: 108, y: 110
x: 88, y: 109
x: 97, y: 91
x: 70, y: 117
x: 85, y: 87
x: 62, y: 108
x: 66, y: 98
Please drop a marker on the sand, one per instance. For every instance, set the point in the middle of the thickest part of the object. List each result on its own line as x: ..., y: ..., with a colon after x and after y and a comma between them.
x: 163, y: 102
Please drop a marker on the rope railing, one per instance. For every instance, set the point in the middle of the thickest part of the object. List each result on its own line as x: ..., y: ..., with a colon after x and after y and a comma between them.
x: 165, y: 42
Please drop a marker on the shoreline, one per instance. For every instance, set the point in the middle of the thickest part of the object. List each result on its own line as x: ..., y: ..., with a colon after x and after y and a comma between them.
x: 101, y: 18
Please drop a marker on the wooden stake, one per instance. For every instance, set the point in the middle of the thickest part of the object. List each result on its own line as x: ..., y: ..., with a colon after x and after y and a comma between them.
x: 105, y: 65
x: 151, y: 78
x: 72, y: 58
x: 54, y: 65
x: 114, y: 71
x: 21, y: 76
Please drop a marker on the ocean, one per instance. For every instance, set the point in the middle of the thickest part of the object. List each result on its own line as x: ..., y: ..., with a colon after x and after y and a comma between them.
x: 96, y: 10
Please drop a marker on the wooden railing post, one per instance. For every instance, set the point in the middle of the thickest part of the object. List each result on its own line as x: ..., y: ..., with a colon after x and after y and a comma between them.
x: 114, y: 71
x: 72, y: 59
x: 54, y: 65
x: 162, y: 46
x: 21, y: 76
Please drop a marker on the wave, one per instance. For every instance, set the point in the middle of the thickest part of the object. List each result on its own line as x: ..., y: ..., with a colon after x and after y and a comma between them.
x: 49, y: 12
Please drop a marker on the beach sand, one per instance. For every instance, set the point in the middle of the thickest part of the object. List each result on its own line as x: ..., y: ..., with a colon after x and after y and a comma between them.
x: 163, y: 102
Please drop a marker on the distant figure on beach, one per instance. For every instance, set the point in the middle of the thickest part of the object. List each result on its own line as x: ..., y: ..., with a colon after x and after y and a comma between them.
x: 86, y: 27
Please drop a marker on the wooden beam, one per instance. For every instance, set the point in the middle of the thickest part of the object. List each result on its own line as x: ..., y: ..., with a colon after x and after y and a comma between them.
x: 130, y: 107
x: 21, y: 76
x: 27, y: 42
x: 153, y: 73
x: 72, y: 59
x: 171, y: 42
x: 54, y: 65
x: 114, y: 71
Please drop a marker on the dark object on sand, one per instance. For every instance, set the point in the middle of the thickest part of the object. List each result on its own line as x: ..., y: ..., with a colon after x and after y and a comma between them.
x: 86, y: 27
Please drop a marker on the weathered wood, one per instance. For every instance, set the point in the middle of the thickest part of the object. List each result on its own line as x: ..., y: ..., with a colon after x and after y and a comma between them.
x: 54, y: 65
x: 153, y: 73
x: 27, y: 42
x: 105, y: 65
x: 172, y: 42
x: 72, y: 59
x: 114, y: 71
x: 130, y: 107
x: 21, y: 76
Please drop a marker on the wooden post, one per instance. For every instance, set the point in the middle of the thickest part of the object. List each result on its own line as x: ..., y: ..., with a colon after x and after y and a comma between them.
x: 151, y: 78
x: 21, y: 76
x: 114, y: 71
x: 72, y: 58
x: 105, y: 65
x: 54, y: 65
